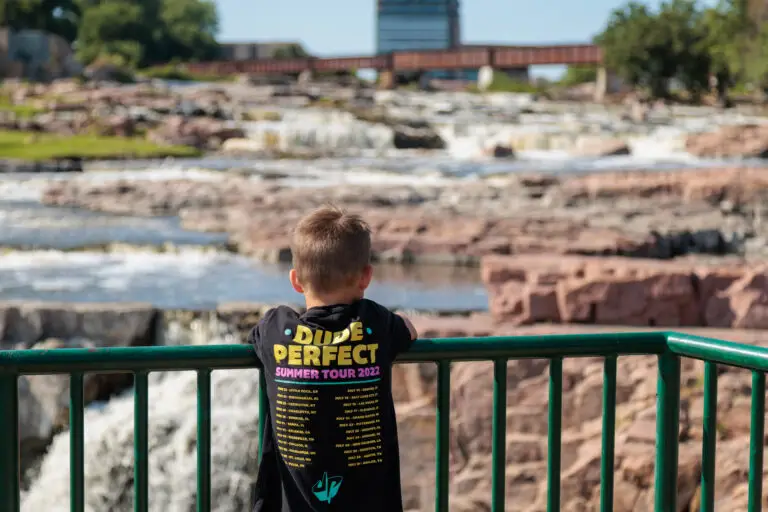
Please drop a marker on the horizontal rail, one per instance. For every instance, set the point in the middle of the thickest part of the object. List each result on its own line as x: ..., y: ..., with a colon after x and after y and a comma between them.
x: 669, y: 347
x: 128, y: 359
x: 718, y: 351
x: 180, y: 358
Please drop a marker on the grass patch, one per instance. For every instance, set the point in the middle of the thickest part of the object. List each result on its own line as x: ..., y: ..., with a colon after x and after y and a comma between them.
x: 504, y: 83
x: 37, y: 147
x: 179, y: 73
x: 24, y: 111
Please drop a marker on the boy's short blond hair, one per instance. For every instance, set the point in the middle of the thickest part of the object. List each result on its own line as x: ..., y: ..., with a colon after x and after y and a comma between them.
x: 330, y: 248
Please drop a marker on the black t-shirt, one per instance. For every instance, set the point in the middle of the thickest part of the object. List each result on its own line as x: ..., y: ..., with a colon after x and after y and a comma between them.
x: 331, y: 438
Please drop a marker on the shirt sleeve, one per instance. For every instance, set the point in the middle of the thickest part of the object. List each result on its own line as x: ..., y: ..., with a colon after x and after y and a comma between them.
x: 255, y: 337
x: 401, y: 335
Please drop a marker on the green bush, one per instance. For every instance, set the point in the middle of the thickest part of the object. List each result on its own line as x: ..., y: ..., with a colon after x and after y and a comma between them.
x: 505, y: 83
x: 576, y: 75
x: 167, y: 72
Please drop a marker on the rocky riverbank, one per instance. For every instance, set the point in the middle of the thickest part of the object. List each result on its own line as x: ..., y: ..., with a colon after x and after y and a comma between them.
x: 312, y: 121
x: 652, y: 215
x: 203, y: 117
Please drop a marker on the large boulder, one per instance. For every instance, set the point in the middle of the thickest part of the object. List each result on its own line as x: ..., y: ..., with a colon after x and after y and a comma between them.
x: 25, y: 323
x: 600, y: 147
x: 736, y: 185
x: 407, y: 137
x: 199, y: 132
x: 527, y: 289
x: 741, y: 141
x: 743, y: 304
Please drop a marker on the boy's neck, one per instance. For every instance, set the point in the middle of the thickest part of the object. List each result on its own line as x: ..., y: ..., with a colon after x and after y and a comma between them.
x: 312, y: 300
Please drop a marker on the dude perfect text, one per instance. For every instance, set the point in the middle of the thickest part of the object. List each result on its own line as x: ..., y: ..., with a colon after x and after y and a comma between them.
x: 326, y: 348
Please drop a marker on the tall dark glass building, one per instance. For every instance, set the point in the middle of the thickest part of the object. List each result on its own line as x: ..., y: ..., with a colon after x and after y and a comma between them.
x: 417, y: 25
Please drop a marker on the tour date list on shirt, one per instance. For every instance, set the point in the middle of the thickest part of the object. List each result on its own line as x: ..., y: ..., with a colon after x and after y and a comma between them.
x: 342, y: 366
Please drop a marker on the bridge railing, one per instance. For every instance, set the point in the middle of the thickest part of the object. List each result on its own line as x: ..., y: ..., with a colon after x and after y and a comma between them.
x: 668, y: 347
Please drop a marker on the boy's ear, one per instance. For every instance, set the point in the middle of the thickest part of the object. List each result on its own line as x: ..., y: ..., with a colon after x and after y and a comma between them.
x: 365, y: 279
x: 294, y: 278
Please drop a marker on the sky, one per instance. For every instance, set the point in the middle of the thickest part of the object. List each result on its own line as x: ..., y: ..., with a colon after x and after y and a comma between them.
x: 346, y: 27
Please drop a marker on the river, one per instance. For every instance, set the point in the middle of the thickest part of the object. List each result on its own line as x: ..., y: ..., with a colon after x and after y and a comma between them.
x: 73, y: 255
x: 67, y: 254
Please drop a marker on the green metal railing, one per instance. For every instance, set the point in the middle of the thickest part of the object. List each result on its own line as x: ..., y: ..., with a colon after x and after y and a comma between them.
x: 669, y: 347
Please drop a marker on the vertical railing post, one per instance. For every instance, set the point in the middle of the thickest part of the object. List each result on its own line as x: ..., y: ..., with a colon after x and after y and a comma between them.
x: 554, y: 433
x: 141, y: 443
x: 709, y: 438
x: 756, y: 442
x: 76, y: 444
x: 9, y: 446
x: 499, y: 446
x: 609, y: 434
x: 204, y: 440
x: 443, y: 433
x: 667, y: 429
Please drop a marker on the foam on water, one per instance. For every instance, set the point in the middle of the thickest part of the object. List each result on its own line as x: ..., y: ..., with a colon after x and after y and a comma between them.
x: 162, y: 172
x: 192, y: 278
x: 318, y: 129
x: 26, y: 186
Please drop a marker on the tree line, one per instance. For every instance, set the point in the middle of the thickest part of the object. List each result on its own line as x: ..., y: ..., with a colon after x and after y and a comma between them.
x: 689, y: 46
x: 135, y: 33
x: 682, y: 44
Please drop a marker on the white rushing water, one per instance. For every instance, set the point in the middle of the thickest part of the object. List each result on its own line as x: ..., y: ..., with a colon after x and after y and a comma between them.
x: 172, y: 423
x: 471, y: 124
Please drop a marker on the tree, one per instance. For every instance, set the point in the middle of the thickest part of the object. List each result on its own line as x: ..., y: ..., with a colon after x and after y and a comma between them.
x: 112, y: 29
x: 60, y: 17
x: 134, y: 32
x: 736, y: 36
x: 651, y: 49
x: 189, y: 31
x: 148, y: 32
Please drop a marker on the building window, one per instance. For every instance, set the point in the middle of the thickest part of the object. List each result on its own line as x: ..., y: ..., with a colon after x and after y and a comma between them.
x: 417, y: 25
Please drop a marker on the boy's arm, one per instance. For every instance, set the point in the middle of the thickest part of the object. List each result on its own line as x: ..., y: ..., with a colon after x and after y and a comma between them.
x: 255, y: 336
x: 409, y: 325
x: 403, y: 333
x: 254, y: 340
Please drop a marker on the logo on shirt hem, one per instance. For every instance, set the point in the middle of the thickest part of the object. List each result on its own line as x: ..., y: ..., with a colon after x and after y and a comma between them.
x: 327, y: 487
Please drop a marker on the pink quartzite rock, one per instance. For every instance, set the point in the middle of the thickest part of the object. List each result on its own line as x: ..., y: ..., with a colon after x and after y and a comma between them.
x: 527, y: 289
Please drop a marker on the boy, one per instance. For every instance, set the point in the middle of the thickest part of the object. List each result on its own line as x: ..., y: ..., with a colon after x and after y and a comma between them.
x: 331, y: 437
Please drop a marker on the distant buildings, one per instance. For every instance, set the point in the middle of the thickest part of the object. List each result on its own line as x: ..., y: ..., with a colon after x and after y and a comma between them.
x: 403, y: 25
x: 35, y: 55
x: 256, y: 51
x: 417, y: 25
